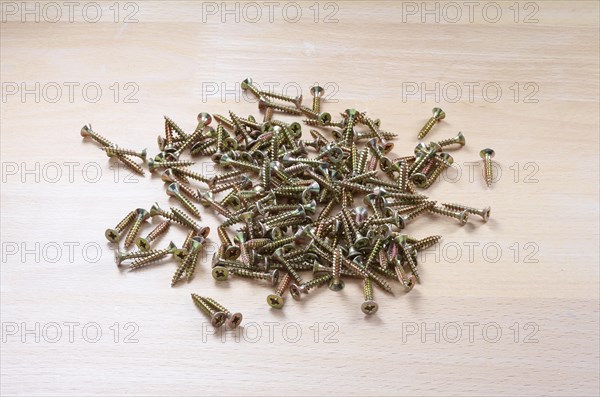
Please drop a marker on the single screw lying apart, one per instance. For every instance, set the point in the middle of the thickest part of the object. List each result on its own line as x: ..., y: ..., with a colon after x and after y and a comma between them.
x: 484, y: 213
x: 438, y: 114
x: 487, y: 155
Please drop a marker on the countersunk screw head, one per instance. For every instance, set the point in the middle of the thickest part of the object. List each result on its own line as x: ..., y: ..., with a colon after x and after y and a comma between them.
x: 232, y: 252
x: 204, y: 118
x: 246, y: 83
x: 142, y: 214
x: 486, y: 213
x: 112, y: 235
x: 234, y: 320
x: 351, y: 112
x: 488, y: 152
x: 438, y: 114
x: 464, y: 217
x: 317, y: 90
x: 275, y: 301
x: 218, y: 319
x: 446, y: 158
x: 325, y: 118
x: 119, y: 256
x: 460, y: 139
x: 142, y: 244
x: 86, y: 130
x: 369, y: 307
x: 220, y: 273
x: 169, y: 176
x: 336, y: 286
x: 419, y: 179
x: 173, y: 190
x: 297, y: 290
x: 155, y: 210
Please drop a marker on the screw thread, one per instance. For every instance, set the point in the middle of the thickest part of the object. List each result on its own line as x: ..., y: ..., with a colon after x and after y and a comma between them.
x: 132, y: 165
x: 158, y: 231
x: 368, y: 289
x: 316, y: 104
x: 122, y: 225
x: 277, y: 243
x: 188, y: 204
x: 203, y: 306
x: 188, y: 238
x: 251, y: 274
x: 447, y: 212
x: 175, y: 128
x: 283, y: 284
x: 420, y: 209
x: 292, y: 221
x: 348, y: 131
x: 426, y: 242
x: 130, y: 238
x: 427, y: 127
x: 216, y: 305
x: 409, y: 259
x: 191, y: 174
x: 191, y: 266
x: 146, y: 260
x: 100, y: 139
x: 437, y: 171
x: 337, y: 264
x: 317, y: 281
x: 487, y: 163
x: 183, y: 219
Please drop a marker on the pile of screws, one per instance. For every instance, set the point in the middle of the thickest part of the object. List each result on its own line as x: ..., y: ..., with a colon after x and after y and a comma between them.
x: 292, y: 206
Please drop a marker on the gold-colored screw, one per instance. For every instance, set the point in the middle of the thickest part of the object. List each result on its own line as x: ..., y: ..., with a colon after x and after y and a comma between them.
x: 143, y: 243
x: 438, y: 114
x: 86, y: 131
x: 114, y: 235
x: 276, y: 299
x: 487, y: 155
x: 484, y: 213
x: 336, y: 283
x: 140, y: 216
x: 369, y: 306
x: 114, y: 151
x: 154, y: 256
x: 317, y: 92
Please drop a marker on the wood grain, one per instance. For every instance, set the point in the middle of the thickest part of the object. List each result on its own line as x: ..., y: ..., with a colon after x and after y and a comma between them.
x: 532, y: 273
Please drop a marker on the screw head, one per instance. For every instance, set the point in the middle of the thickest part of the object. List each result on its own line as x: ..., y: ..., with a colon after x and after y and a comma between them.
x: 351, y: 112
x: 317, y: 90
x: 142, y: 244
x: 119, y: 255
x: 142, y: 214
x: 155, y: 210
x: 488, y: 152
x: 86, y: 130
x: 234, y: 320
x: 438, y: 114
x: 296, y: 291
x: 246, y: 83
x: 173, y: 190
x: 369, y: 307
x: 325, y: 117
x: 460, y: 139
x: 464, y: 217
x: 486, y: 213
x: 218, y: 319
x: 275, y: 301
x: 112, y: 235
x: 204, y: 118
x: 220, y: 273
x: 419, y: 179
x: 412, y: 281
x: 336, y: 286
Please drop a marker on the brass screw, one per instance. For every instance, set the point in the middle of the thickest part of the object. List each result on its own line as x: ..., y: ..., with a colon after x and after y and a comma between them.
x: 369, y: 306
x: 189, y: 263
x: 336, y: 283
x: 263, y: 104
x: 140, y: 216
x: 217, y: 318
x: 276, y: 299
x: 484, y: 213
x: 114, y: 151
x: 86, y: 131
x: 317, y: 92
x: 143, y: 243
x: 114, y: 235
x: 487, y: 155
x: 438, y: 114
x: 457, y: 140
x: 461, y: 216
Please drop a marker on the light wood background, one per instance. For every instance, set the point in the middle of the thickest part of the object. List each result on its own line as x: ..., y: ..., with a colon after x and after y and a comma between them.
x: 541, y: 292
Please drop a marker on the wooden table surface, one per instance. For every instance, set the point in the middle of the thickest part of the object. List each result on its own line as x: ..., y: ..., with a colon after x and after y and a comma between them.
x: 509, y: 306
